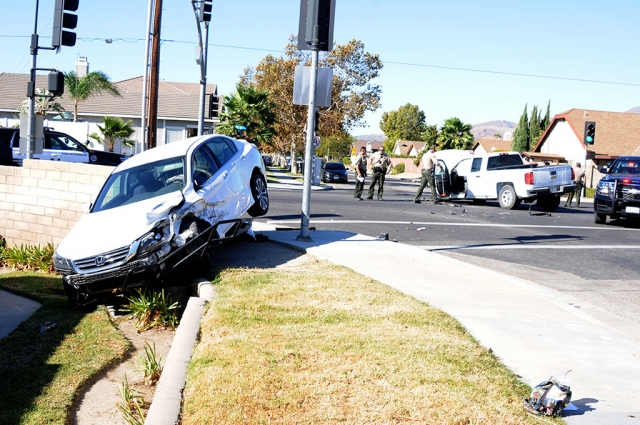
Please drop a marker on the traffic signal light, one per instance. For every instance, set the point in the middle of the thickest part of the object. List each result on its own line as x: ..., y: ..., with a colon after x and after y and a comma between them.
x: 589, y: 132
x: 204, y: 11
x: 55, y: 84
x: 316, y: 21
x: 214, y: 105
x: 62, y: 21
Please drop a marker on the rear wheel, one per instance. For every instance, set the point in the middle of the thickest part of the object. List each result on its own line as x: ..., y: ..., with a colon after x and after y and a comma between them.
x: 260, y: 196
x: 549, y: 203
x: 508, y: 198
x: 600, y: 218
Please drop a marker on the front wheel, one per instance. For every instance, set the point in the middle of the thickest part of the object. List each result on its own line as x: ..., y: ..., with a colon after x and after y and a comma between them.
x: 600, y: 218
x: 260, y: 196
x: 508, y: 198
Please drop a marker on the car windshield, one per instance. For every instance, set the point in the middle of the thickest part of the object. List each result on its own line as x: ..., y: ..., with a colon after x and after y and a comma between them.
x: 140, y: 183
x: 626, y: 167
x: 334, y: 166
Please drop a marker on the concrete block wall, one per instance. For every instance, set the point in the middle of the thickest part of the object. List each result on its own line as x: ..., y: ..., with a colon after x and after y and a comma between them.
x: 41, y: 201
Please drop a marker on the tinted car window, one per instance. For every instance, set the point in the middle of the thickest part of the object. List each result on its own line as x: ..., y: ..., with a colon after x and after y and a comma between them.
x: 203, y: 166
x: 334, y: 166
x: 222, y: 149
x: 60, y: 142
x: 6, y: 137
x: 503, y: 161
x: 475, y: 166
x: 626, y: 167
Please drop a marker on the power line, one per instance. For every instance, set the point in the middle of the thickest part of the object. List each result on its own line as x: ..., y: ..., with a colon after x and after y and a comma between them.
x: 421, y: 65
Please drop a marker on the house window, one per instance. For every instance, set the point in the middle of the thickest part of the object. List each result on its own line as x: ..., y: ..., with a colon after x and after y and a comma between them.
x: 173, y: 134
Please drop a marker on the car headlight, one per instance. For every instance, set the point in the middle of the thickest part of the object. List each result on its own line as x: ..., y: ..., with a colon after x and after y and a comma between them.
x: 154, y: 239
x: 61, y: 263
x: 605, y: 189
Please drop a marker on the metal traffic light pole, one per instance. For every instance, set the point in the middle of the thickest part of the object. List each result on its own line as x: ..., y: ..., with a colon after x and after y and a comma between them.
x: 311, y: 116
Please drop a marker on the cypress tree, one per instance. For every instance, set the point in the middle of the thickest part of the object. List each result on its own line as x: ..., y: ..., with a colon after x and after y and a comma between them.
x: 547, y: 118
x: 534, y: 129
x: 521, y: 135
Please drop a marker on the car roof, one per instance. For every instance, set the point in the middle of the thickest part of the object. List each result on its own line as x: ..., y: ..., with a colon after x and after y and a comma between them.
x: 170, y: 150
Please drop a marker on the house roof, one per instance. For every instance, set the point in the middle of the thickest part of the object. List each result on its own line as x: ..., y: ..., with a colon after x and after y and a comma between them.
x: 493, y: 144
x: 616, y: 132
x: 405, y: 146
x: 174, y: 106
x: 360, y: 143
x: 134, y: 85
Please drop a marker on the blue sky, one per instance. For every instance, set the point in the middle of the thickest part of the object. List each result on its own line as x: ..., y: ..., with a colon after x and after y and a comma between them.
x: 435, y: 53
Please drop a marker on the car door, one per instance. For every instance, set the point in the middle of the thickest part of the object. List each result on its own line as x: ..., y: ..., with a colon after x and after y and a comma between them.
x: 235, y: 174
x: 60, y: 147
x: 476, y: 185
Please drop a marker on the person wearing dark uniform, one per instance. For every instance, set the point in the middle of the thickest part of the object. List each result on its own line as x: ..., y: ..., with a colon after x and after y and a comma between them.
x: 380, y: 166
x: 361, y: 173
x: 579, y: 178
x: 429, y: 163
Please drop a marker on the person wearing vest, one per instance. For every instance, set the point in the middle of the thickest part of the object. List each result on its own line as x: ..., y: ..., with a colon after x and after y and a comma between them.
x: 429, y: 163
x: 579, y: 177
x: 361, y: 172
x: 380, y: 167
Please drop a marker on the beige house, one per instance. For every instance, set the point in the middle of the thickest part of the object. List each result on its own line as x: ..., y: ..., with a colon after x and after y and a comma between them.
x: 615, y: 135
x: 407, y: 147
x: 488, y: 145
x: 178, y: 107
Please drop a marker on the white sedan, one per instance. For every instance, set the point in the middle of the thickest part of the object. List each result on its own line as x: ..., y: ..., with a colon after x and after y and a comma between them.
x: 161, y: 209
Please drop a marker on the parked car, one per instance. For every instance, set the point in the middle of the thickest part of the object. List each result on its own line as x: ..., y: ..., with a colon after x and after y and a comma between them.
x: 57, y: 147
x: 268, y: 160
x: 160, y: 210
x: 501, y: 176
x: 618, y: 192
x: 334, y: 172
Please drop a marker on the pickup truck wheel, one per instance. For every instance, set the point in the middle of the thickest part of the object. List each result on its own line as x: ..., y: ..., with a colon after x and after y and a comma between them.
x: 600, y: 218
x: 260, y: 196
x: 548, y: 204
x: 508, y: 198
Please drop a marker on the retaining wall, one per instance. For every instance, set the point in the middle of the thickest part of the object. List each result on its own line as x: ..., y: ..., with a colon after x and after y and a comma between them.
x: 42, y: 200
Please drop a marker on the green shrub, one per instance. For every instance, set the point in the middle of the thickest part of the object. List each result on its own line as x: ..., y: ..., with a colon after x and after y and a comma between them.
x: 152, y: 308
x: 398, y: 169
x: 346, y: 160
x: 590, y: 192
x: 27, y: 257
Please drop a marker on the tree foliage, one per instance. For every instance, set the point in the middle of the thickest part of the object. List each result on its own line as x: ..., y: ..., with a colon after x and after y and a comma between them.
x: 353, y: 94
x: 250, y: 108
x: 81, y: 89
x: 547, y: 118
x: 42, y: 105
x: 535, y: 128
x: 521, y: 136
x: 335, y: 147
x: 455, y: 134
x: 405, y: 123
x: 114, y: 129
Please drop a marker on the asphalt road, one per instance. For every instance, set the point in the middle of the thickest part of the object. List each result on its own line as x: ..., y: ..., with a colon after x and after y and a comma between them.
x: 565, y: 250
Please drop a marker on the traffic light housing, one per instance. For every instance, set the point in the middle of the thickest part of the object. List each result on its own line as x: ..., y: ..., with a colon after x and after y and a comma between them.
x: 316, y: 20
x: 63, y: 21
x: 589, y: 132
x: 214, y: 105
x: 204, y: 11
x: 55, y: 84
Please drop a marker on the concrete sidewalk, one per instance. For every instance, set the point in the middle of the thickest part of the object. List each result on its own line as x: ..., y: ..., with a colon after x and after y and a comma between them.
x: 536, y: 331
x: 289, y: 182
x: 14, y: 310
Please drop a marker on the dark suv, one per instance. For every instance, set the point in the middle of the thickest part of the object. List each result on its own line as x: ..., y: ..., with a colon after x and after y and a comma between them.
x: 618, y: 193
x: 57, y: 147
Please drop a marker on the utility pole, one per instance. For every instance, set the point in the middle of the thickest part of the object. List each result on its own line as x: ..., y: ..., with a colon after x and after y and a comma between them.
x: 202, y: 12
x: 145, y: 82
x: 155, y: 76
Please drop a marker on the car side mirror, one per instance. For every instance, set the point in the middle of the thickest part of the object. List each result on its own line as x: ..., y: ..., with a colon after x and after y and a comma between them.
x: 603, y: 170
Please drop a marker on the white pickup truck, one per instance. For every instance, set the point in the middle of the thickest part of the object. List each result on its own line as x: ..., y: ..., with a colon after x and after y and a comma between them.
x: 502, y: 176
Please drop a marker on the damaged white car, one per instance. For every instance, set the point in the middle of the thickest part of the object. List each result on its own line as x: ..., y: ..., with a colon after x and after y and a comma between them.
x: 159, y: 210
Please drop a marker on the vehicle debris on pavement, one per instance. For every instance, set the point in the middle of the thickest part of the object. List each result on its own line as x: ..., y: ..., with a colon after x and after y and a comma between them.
x: 548, y: 398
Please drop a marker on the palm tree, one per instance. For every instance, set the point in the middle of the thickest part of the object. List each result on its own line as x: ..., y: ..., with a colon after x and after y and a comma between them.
x: 455, y: 134
x: 249, y: 108
x: 81, y: 89
x: 114, y: 129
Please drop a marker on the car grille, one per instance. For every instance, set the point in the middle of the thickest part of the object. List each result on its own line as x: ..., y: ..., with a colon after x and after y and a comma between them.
x: 630, y: 192
x: 103, y: 261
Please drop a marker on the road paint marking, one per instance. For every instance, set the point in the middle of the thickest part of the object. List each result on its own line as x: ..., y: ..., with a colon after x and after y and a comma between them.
x: 523, y: 246
x: 428, y: 223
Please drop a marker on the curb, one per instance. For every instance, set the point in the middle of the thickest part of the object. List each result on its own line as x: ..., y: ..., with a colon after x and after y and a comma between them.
x: 167, y: 401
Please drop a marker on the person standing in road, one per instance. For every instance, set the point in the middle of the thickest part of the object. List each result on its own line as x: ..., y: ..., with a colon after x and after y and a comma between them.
x: 381, y: 166
x: 579, y: 182
x: 361, y: 172
x: 429, y: 163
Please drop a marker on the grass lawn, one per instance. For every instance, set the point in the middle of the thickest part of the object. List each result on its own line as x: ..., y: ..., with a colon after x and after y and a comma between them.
x: 41, y: 374
x: 321, y: 344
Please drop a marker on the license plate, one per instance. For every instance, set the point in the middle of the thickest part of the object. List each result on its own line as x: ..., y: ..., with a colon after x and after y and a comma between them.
x: 632, y: 210
x: 336, y: 178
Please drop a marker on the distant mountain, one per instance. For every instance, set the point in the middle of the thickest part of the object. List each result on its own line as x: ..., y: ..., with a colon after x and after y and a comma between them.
x: 372, y: 137
x: 635, y: 110
x: 488, y: 129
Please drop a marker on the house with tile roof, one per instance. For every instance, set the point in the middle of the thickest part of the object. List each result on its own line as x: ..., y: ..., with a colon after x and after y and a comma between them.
x: 407, y: 147
x: 616, y: 135
x: 178, y: 106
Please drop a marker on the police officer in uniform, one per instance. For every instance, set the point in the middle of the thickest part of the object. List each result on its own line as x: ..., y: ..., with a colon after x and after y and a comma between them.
x: 361, y: 172
x: 429, y: 163
x: 381, y: 166
x: 579, y: 178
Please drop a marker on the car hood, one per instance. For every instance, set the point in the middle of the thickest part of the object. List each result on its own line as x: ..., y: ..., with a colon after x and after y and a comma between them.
x: 104, y: 231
